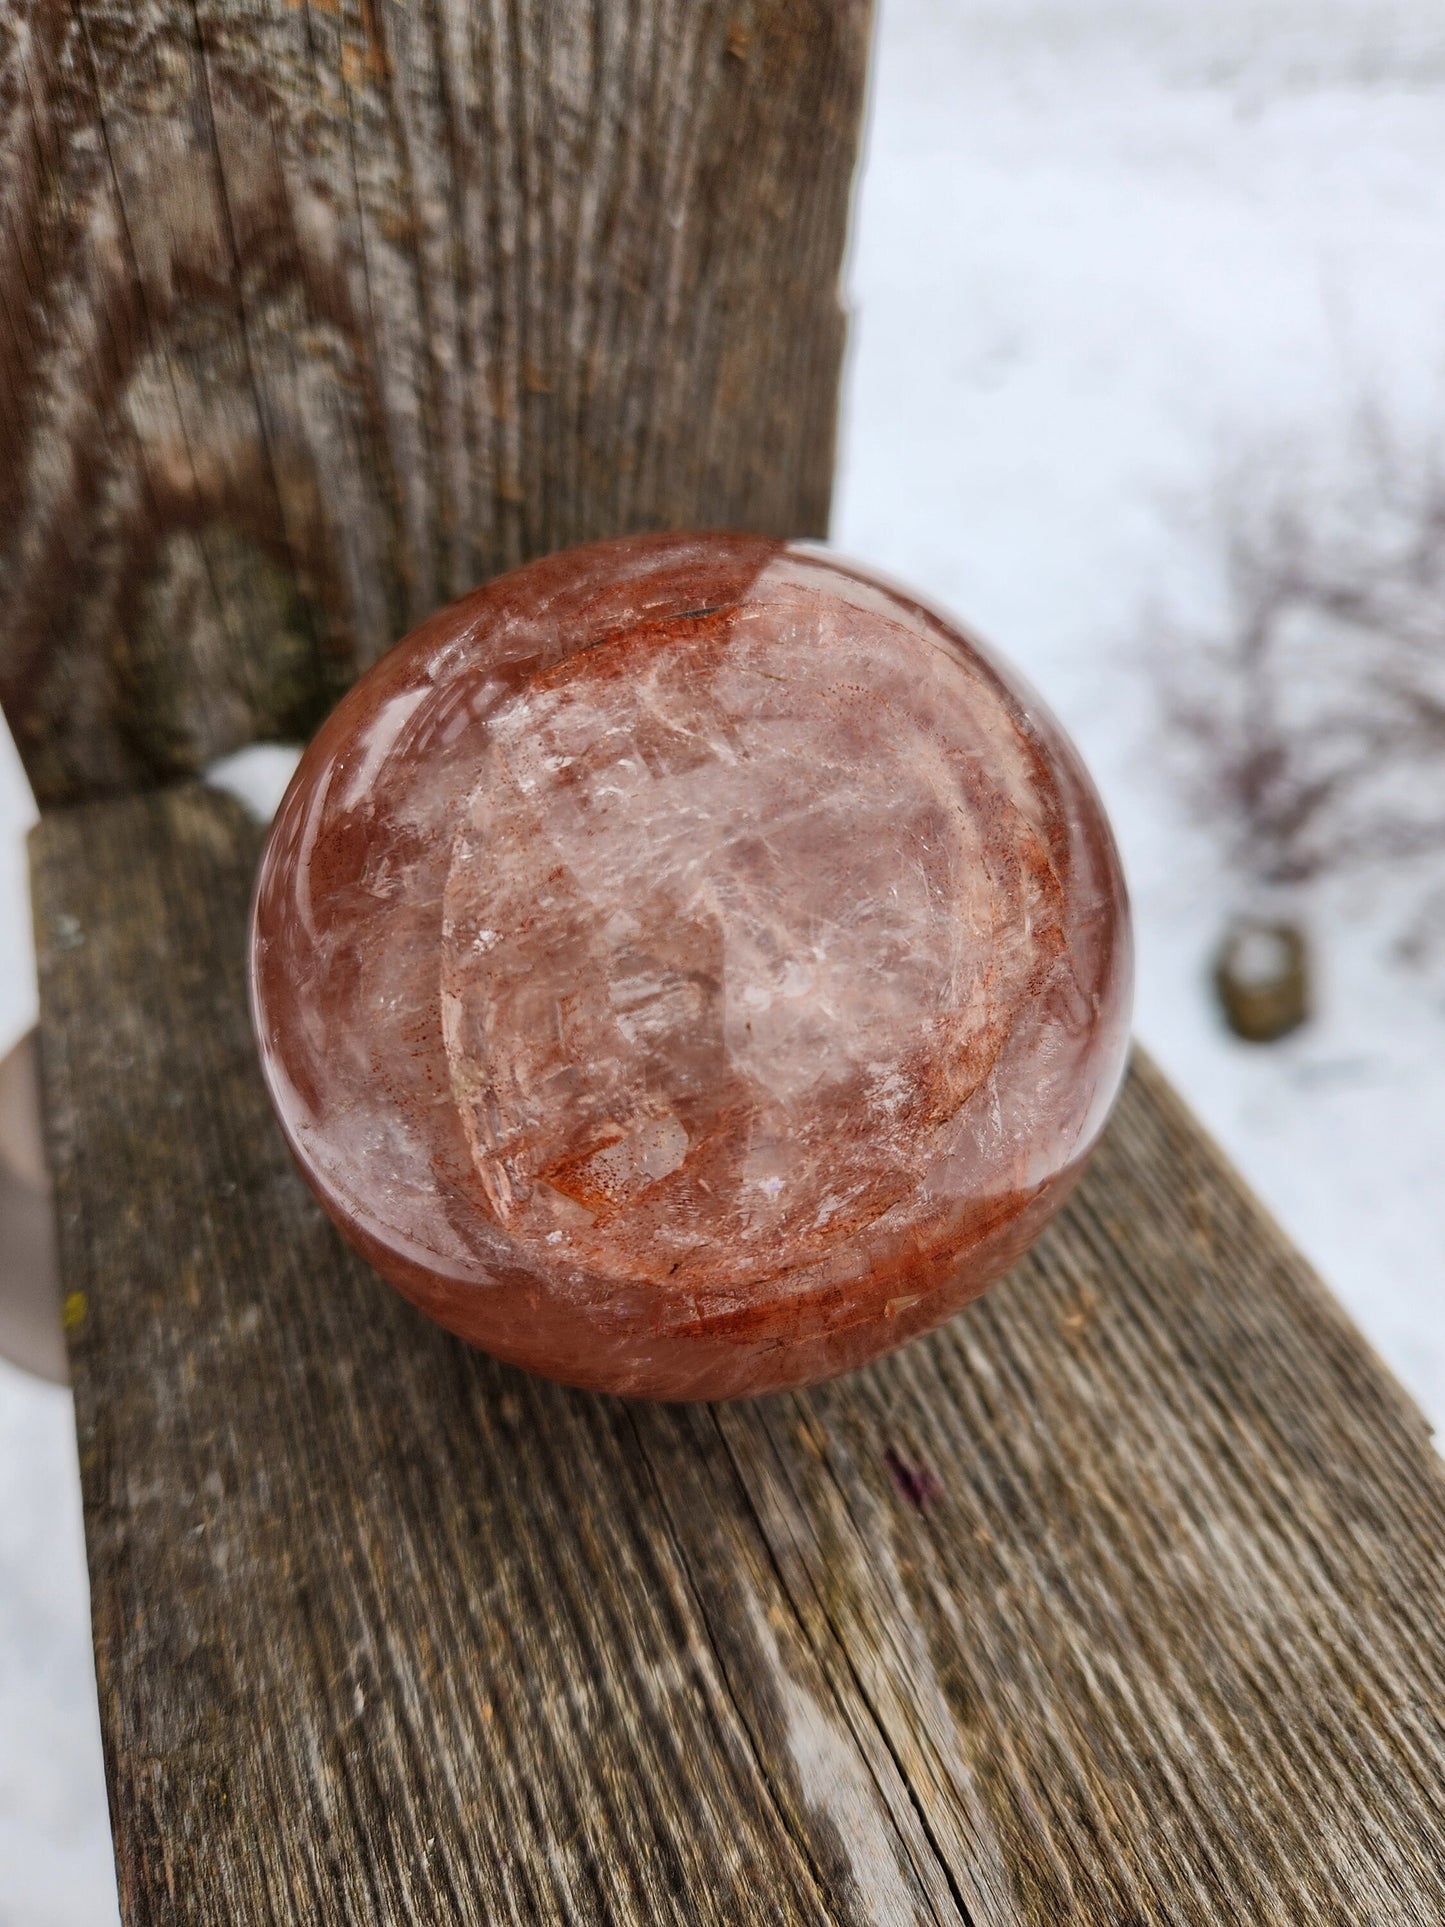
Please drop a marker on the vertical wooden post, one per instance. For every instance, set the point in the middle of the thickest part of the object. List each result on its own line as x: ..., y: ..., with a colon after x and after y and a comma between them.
x: 313, y: 313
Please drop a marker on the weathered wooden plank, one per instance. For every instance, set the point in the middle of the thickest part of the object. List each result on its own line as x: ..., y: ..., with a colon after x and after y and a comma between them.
x: 1121, y: 1599
x: 315, y: 313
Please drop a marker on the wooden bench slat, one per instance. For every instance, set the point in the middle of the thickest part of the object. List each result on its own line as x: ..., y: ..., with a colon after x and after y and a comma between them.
x: 1121, y: 1599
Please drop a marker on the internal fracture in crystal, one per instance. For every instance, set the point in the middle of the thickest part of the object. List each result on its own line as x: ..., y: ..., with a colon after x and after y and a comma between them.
x: 689, y: 966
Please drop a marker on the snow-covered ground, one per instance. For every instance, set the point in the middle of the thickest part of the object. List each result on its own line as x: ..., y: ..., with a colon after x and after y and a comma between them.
x: 1102, y: 252
x: 1102, y: 247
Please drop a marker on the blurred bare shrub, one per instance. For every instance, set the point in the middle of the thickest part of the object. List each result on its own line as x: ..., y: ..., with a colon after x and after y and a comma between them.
x: 1308, y: 718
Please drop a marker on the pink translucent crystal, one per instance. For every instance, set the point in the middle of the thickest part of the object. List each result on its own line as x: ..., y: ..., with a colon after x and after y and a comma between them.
x: 688, y: 966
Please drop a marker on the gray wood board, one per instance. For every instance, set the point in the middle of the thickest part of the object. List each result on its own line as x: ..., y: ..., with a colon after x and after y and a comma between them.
x: 1121, y: 1599
x: 316, y: 313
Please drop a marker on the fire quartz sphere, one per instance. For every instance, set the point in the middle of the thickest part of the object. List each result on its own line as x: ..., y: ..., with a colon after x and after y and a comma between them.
x: 689, y: 966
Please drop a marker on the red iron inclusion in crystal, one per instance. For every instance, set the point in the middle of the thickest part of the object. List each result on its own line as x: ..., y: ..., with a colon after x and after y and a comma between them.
x: 688, y: 966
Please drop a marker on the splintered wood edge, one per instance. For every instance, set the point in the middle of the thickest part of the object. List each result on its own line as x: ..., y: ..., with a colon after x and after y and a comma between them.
x: 1121, y: 1599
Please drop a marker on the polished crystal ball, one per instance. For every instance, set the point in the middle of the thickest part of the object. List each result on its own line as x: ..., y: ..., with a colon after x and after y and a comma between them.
x: 690, y: 966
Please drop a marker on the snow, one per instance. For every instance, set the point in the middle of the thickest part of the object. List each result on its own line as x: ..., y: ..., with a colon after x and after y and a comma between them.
x: 1101, y: 254
x: 256, y: 776
x: 1102, y: 248
x: 55, y: 1859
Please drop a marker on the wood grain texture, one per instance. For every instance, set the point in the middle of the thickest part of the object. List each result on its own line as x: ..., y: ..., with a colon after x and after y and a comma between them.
x: 315, y: 313
x: 1119, y: 1600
